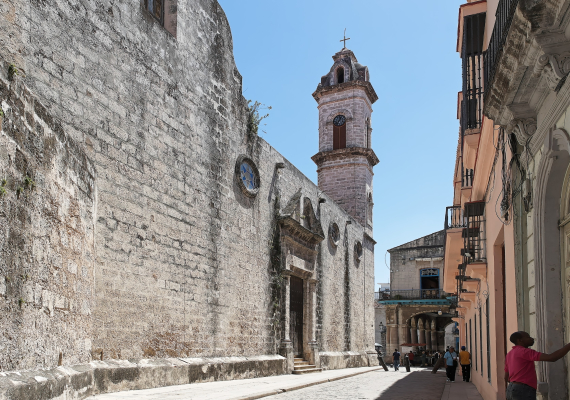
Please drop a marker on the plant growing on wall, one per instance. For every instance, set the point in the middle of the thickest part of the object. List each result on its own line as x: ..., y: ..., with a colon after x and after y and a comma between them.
x: 12, y: 71
x: 253, y: 117
x: 29, y: 182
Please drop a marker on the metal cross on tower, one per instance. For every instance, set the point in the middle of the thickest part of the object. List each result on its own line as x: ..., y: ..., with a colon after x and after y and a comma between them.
x: 345, y: 39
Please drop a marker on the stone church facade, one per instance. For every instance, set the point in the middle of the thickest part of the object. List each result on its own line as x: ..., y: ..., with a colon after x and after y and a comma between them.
x: 140, y: 217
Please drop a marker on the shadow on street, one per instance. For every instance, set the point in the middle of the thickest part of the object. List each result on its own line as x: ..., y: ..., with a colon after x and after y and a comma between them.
x: 418, y: 385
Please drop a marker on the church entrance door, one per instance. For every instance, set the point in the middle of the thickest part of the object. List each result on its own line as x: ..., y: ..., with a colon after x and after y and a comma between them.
x: 296, y: 315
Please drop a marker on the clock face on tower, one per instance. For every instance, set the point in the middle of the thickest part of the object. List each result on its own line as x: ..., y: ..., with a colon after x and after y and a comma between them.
x: 339, y: 120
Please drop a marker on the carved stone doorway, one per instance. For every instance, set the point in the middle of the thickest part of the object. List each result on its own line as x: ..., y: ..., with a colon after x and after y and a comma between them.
x: 296, y: 315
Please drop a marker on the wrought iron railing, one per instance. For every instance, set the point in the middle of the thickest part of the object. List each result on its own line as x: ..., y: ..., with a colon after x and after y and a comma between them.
x: 503, y: 19
x: 467, y: 178
x: 385, y: 295
x: 472, y: 63
x: 417, y: 294
x: 454, y: 217
x: 474, y: 233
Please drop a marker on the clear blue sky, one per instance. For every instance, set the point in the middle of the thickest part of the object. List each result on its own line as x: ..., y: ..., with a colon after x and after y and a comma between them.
x: 283, y: 48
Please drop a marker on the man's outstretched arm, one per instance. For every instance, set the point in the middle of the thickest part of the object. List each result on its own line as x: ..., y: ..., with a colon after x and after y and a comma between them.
x: 557, y: 355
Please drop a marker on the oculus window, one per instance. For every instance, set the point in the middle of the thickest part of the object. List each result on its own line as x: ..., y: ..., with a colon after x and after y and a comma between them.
x: 247, y: 176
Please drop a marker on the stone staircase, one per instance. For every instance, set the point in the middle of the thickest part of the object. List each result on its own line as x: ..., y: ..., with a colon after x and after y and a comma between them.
x: 303, y: 367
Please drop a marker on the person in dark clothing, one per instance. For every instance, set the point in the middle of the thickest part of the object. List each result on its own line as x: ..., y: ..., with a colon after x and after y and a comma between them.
x: 411, y: 358
x: 396, y: 359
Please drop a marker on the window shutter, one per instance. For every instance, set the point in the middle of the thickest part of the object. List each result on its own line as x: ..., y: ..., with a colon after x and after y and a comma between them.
x: 342, y: 137
x: 170, y: 16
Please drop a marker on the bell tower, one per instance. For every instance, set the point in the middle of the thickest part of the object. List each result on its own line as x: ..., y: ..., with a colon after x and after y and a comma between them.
x: 345, y: 158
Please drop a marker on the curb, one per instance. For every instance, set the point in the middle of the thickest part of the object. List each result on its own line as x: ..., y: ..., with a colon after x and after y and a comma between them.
x: 292, y: 388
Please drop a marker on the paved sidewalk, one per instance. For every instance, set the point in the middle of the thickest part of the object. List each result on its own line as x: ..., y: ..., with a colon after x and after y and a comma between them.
x: 460, y: 390
x: 243, y: 389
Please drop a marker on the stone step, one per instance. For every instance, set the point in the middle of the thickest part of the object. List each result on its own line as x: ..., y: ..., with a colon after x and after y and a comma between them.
x: 307, y: 371
x: 303, y: 367
x: 301, y: 363
x: 298, y: 359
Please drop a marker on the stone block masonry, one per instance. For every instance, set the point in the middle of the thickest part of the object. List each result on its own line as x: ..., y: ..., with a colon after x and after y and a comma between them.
x: 149, y: 248
x: 46, y: 236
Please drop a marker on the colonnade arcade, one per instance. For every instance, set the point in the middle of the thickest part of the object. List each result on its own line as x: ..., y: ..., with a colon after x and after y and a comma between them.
x: 421, y: 327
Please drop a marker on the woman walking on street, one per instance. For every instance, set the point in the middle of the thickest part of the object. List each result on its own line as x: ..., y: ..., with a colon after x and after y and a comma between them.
x: 450, y: 357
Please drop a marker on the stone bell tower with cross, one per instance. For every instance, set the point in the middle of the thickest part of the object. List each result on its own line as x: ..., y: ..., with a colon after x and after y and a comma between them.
x: 345, y: 158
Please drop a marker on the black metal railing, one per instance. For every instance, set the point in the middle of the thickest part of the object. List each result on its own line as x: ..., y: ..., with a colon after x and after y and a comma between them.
x: 454, y: 217
x: 472, y: 63
x: 417, y: 294
x: 474, y: 233
x: 503, y: 19
x: 384, y: 295
x: 467, y: 177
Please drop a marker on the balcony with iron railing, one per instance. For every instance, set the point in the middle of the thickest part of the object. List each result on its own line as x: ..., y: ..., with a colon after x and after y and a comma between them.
x: 472, y: 70
x: 474, y: 233
x: 503, y: 19
x: 413, y: 294
x: 454, y: 218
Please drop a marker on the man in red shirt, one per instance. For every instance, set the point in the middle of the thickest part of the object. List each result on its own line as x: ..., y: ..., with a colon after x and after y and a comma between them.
x: 520, y: 375
x: 411, y: 358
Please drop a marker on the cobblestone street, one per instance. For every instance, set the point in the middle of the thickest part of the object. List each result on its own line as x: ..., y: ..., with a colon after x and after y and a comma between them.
x: 369, y: 384
x: 419, y: 384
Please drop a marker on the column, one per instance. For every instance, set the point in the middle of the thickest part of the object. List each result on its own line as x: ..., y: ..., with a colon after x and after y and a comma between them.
x: 314, y: 358
x: 287, y: 283
x: 413, y: 332
x: 286, y: 349
x: 394, y: 337
x: 433, y: 336
x: 404, y: 332
x: 422, y: 337
x: 441, y: 341
x: 428, y: 335
x: 434, y: 344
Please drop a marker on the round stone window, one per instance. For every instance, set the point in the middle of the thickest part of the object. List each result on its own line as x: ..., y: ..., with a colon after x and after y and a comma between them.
x: 247, y: 176
x: 358, y: 251
x: 334, y: 234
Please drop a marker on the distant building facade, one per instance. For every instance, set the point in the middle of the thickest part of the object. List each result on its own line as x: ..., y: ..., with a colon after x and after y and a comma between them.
x: 417, y: 309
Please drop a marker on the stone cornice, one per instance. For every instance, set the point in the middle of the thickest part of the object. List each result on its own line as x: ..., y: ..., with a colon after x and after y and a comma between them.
x: 296, y: 230
x: 339, y: 154
x: 341, y: 87
x: 533, y: 62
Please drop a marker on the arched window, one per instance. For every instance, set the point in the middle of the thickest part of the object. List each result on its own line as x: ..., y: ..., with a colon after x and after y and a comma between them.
x: 339, y: 132
x: 340, y: 75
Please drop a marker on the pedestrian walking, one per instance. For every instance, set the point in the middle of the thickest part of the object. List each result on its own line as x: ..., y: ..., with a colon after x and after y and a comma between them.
x: 396, y: 359
x: 423, y: 359
x: 435, y: 357
x: 465, y: 361
x: 450, y: 357
x: 520, y: 373
x: 411, y: 358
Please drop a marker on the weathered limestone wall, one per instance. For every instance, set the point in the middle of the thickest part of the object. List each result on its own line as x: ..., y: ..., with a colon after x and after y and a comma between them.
x: 47, y: 197
x: 182, y: 263
x: 407, y: 260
